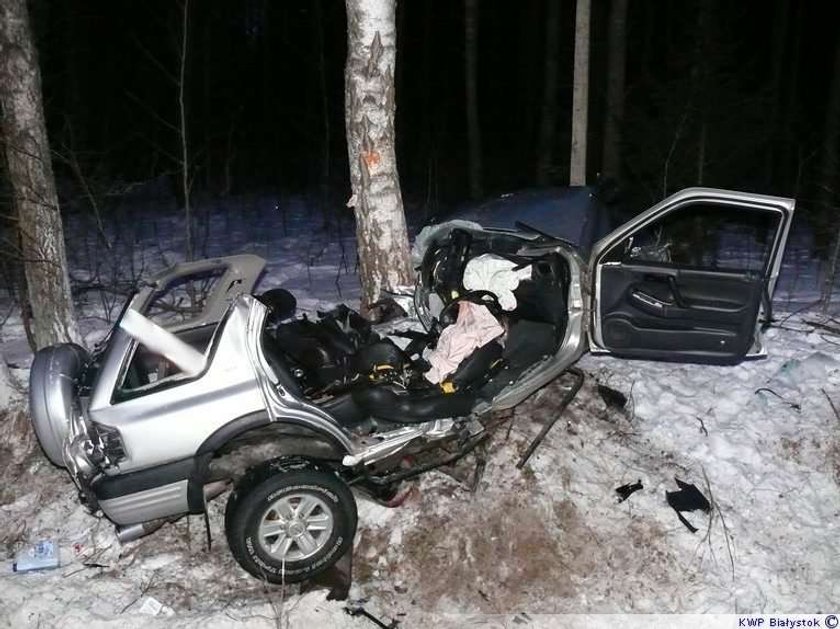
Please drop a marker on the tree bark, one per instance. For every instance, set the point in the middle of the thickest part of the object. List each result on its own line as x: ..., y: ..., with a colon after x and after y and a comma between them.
x: 31, y: 176
x: 580, y: 95
x: 471, y: 70
x: 548, y: 115
x: 829, y: 192
x: 702, y: 87
x: 370, y: 106
x: 182, y: 128
x: 324, y: 174
x: 616, y: 68
x: 781, y: 19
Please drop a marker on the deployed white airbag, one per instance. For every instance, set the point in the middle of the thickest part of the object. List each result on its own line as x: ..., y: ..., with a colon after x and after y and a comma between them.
x: 496, y: 274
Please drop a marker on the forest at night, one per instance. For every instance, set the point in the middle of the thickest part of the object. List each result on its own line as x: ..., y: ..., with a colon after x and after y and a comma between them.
x: 733, y: 95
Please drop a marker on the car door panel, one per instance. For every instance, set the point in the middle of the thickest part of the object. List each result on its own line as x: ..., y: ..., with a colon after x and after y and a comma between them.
x: 694, y: 315
x: 665, y: 288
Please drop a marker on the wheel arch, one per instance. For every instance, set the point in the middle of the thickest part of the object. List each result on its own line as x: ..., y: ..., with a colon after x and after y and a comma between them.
x: 259, y: 441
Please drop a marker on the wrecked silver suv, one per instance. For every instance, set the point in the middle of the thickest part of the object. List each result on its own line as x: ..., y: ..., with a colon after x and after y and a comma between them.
x: 201, y: 383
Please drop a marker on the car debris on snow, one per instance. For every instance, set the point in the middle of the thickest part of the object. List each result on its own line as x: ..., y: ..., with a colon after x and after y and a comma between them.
x: 625, y: 491
x: 687, y: 498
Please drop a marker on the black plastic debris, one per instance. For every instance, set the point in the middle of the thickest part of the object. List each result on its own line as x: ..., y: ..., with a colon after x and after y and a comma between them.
x: 612, y: 398
x: 625, y: 491
x: 357, y: 608
x: 688, y: 498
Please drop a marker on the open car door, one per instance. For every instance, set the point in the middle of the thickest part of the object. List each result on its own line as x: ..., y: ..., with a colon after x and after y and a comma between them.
x: 690, y: 279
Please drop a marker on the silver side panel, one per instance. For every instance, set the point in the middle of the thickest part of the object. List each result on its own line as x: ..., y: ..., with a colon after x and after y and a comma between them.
x: 167, y: 424
x: 390, y: 443
x: 150, y: 504
x: 170, y: 420
x: 52, y: 396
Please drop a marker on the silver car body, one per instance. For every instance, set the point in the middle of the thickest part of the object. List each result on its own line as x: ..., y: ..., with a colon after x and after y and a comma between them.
x: 167, y: 429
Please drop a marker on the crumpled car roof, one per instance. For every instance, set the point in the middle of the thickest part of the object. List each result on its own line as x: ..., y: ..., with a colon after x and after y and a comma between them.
x: 574, y: 214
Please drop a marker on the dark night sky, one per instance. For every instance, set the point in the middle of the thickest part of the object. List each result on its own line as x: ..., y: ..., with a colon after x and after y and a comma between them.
x: 265, y: 82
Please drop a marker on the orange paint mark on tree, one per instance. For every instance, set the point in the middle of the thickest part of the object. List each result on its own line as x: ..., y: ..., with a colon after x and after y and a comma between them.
x: 371, y: 158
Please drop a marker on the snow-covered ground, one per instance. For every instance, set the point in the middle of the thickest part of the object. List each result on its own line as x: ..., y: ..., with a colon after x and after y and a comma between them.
x: 760, y: 440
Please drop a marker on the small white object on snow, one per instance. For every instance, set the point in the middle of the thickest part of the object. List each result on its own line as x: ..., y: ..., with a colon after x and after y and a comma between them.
x: 153, y: 607
x: 496, y: 274
x: 42, y: 555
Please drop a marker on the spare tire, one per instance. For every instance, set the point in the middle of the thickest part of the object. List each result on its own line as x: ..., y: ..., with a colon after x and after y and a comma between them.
x: 52, y: 392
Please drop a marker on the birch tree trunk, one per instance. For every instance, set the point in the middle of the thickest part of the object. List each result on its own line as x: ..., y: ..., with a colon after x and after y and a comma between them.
x: 781, y: 20
x: 616, y: 68
x: 548, y: 115
x: 382, y: 238
x: 182, y: 132
x: 471, y: 70
x: 324, y: 174
x: 580, y: 95
x: 829, y: 192
x: 30, y: 171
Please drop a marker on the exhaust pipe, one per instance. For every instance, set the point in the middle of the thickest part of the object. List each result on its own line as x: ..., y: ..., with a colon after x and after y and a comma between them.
x: 131, y: 532
x: 216, y: 488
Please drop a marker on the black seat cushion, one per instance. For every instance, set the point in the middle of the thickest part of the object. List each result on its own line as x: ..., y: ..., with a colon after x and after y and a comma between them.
x: 345, y: 410
x: 396, y: 404
x: 274, y: 355
x: 529, y: 341
x: 304, y: 342
x: 543, y: 297
x: 408, y: 406
x: 476, y: 368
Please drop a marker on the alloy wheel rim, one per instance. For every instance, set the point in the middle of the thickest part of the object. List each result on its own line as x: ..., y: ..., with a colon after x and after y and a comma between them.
x: 295, y: 527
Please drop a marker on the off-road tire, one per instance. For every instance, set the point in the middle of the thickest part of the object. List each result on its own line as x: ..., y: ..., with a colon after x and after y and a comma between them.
x: 264, y: 486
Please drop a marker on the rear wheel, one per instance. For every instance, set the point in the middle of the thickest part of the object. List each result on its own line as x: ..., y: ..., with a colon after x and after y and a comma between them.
x: 289, y: 522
